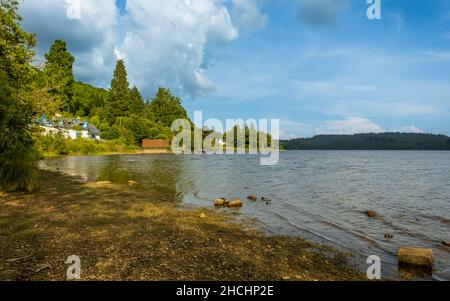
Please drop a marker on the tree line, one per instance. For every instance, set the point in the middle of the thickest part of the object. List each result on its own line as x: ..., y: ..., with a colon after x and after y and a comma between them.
x: 383, y: 141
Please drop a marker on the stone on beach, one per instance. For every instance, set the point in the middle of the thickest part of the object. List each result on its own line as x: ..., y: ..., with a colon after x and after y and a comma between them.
x: 371, y: 213
x: 220, y: 202
x: 235, y: 204
x: 415, y: 257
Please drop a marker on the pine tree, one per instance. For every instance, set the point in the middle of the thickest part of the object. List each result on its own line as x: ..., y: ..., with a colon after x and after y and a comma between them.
x: 119, y: 101
x: 167, y: 108
x: 137, y: 101
x: 59, y: 74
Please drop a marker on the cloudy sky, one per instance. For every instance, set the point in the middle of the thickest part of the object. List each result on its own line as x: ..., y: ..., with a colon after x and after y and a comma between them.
x: 320, y: 66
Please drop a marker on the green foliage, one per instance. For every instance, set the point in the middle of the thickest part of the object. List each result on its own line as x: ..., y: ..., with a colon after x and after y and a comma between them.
x: 58, y: 72
x: 137, y: 101
x: 88, y: 100
x: 166, y: 108
x: 249, y: 133
x: 119, y: 101
x: 384, y: 141
x: 17, y: 169
x: 58, y: 145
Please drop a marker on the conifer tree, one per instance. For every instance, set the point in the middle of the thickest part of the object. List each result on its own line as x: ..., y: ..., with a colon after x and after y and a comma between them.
x: 119, y: 101
x: 58, y: 71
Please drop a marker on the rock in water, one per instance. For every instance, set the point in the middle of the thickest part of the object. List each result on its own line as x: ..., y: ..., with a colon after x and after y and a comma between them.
x: 235, y: 204
x: 416, y: 258
x: 252, y: 198
x: 220, y: 202
x: 371, y: 213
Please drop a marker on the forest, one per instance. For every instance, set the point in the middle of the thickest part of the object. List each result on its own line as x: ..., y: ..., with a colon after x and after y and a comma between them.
x: 383, y: 141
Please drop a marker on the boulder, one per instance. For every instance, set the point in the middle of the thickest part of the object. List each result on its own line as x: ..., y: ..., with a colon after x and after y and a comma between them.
x: 220, y: 202
x: 371, y: 213
x: 416, y: 258
x: 252, y: 198
x: 235, y: 204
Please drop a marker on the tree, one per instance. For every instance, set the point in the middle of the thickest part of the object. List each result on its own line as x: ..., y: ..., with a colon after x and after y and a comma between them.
x: 137, y: 101
x: 166, y: 108
x: 119, y: 101
x: 59, y: 74
x: 16, y: 111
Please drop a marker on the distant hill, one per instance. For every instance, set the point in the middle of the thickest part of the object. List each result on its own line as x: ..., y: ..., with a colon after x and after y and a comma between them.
x: 384, y: 141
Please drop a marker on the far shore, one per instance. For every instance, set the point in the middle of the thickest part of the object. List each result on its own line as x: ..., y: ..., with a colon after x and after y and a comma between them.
x: 121, y: 233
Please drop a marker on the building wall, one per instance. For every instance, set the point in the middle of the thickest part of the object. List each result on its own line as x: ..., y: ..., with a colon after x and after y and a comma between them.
x: 155, y: 144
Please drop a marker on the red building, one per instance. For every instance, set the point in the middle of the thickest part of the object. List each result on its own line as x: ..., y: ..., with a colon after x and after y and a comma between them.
x: 155, y: 144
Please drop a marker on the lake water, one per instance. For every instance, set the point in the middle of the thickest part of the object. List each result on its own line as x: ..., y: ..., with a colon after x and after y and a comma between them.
x: 319, y: 195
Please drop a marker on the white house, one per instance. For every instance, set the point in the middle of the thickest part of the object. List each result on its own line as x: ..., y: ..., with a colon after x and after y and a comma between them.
x: 70, y: 129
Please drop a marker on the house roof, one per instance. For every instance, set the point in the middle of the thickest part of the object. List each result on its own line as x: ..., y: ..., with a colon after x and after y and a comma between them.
x: 93, y: 130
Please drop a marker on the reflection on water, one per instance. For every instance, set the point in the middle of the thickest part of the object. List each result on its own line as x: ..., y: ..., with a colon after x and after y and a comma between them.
x: 317, y: 194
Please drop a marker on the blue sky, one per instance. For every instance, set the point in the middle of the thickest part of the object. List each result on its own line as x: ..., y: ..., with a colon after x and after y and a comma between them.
x: 319, y: 66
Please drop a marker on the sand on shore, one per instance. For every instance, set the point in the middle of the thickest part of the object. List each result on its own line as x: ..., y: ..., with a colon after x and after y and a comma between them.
x: 121, y: 233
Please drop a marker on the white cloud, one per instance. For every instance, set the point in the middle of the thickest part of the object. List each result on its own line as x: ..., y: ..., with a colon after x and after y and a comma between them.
x: 247, y: 15
x: 91, y: 38
x: 349, y: 126
x: 166, y: 40
x: 163, y: 42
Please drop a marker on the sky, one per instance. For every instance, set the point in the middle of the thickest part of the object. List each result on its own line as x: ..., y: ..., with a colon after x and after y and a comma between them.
x: 319, y: 66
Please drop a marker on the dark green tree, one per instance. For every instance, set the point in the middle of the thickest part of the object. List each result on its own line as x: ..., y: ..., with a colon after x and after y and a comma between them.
x: 16, y: 111
x: 166, y: 108
x: 59, y: 74
x: 119, y: 101
x: 137, y: 101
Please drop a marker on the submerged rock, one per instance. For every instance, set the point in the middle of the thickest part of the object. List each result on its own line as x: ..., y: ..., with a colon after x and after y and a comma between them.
x: 235, y: 204
x: 389, y: 236
x: 415, y: 258
x: 371, y: 213
x: 252, y: 198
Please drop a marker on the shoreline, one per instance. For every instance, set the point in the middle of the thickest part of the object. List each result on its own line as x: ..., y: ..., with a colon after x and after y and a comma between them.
x: 124, y: 234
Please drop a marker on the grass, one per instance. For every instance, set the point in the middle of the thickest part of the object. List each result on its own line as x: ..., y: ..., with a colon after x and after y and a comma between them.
x: 123, y: 234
